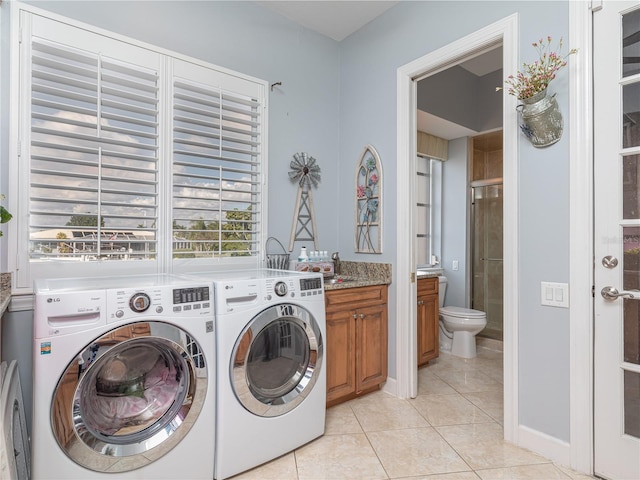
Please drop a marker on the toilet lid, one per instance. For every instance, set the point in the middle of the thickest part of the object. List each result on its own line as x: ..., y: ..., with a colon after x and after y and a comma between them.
x: 462, y: 312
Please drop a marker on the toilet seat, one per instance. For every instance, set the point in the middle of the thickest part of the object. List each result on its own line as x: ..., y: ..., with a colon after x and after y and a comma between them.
x: 460, y: 312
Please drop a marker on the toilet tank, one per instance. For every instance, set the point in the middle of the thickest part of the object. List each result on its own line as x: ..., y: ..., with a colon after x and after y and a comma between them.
x: 442, y: 289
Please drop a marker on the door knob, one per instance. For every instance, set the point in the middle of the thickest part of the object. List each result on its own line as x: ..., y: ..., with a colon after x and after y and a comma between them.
x: 611, y: 293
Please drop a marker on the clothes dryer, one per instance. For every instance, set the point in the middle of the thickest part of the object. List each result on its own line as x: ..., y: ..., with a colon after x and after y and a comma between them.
x: 124, y: 378
x: 271, y: 331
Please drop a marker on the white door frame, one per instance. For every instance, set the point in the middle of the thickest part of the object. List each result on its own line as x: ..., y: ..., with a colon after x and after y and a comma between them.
x: 504, y: 31
x: 580, y: 238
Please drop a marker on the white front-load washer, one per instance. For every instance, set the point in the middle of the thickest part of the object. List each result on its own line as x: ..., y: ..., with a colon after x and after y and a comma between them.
x: 271, y: 330
x: 124, y: 378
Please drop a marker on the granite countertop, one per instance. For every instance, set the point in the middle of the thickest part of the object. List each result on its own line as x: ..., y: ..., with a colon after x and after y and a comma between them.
x: 361, y: 274
x: 5, y: 292
x: 423, y: 274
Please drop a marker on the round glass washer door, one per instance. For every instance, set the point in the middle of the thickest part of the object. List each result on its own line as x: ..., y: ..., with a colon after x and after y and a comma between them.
x: 277, y: 360
x: 128, y: 392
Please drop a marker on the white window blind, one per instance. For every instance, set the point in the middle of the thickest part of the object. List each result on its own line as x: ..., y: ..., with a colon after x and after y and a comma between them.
x: 131, y: 159
x: 94, y: 156
x: 216, y: 171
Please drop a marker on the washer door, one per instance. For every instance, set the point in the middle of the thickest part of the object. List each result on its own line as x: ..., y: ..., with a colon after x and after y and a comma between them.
x: 277, y: 360
x: 127, y: 393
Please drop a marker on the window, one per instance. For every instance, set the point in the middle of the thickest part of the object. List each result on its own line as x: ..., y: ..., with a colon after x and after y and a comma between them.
x: 428, y: 210
x: 132, y: 158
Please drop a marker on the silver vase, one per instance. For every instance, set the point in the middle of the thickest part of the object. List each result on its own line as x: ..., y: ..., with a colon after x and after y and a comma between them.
x: 541, y: 119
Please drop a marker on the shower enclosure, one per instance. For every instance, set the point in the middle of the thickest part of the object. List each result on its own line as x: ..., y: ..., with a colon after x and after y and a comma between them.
x: 487, y: 231
x: 487, y: 262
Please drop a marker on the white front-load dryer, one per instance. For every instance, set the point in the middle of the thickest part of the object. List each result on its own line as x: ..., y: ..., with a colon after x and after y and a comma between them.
x: 124, y: 378
x: 271, y: 331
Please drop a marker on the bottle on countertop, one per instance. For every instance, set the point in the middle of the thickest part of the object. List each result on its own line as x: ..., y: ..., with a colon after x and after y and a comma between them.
x: 303, y: 257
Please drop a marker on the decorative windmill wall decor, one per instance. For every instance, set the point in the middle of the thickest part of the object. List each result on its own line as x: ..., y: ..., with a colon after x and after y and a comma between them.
x: 305, y: 171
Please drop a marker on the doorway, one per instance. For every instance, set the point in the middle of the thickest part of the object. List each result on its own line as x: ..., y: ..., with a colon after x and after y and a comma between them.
x: 502, y: 32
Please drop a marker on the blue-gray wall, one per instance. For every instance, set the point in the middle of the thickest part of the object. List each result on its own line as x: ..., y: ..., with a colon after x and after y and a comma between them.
x: 369, y: 61
x: 337, y: 97
x: 455, y: 194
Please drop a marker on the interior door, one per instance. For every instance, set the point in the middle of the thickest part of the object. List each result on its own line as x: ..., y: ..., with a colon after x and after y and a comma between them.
x: 617, y: 240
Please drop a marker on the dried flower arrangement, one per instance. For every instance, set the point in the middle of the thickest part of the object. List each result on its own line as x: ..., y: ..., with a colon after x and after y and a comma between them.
x: 535, y: 77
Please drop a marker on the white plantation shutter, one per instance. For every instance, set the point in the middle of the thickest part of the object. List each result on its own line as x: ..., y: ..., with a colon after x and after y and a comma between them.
x: 94, y: 155
x: 216, y: 166
x: 131, y: 157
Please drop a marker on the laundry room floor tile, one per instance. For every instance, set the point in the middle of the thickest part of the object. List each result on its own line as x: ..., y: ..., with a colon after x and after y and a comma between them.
x: 339, y: 457
x: 482, y: 446
x: 449, y: 410
x: 545, y: 471
x: 341, y: 419
x: 282, y: 468
x: 381, y: 411
x: 379, y: 436
x: 415, y: 451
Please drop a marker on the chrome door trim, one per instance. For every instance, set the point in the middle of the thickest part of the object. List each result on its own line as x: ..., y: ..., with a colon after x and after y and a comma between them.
x: 285, y: 399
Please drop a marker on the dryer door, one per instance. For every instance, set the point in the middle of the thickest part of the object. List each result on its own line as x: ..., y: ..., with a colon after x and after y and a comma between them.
x: 277, y: 360
x: 134, y: 389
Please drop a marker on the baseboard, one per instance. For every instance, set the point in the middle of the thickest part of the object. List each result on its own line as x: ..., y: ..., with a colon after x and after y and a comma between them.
x: 391, y: 387
x: 550, y: 447
x: 489, y: 343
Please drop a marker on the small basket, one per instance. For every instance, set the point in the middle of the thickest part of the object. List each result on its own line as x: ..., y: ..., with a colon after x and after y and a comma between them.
x: 278, y: 261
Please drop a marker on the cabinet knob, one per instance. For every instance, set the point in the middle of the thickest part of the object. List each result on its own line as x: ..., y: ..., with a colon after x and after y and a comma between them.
x: 355, y: 315
x: 362, y: 315
x: 420, y: 302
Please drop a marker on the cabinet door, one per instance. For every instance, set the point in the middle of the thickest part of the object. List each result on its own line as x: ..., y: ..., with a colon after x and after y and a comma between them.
x: 371, y: 349
x: 427, y: 328
x: 340, y: 358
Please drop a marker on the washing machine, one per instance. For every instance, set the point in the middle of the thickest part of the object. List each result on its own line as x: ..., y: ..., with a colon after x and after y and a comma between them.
x: 124, y: 378
x: 15, y: 461
x: 271, y: 331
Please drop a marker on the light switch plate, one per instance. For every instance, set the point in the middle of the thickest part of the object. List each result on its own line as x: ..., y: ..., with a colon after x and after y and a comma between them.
x: 554, y: 294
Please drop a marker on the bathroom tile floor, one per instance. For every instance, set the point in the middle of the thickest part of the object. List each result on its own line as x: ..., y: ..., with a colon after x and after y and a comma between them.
x: 451, y: 431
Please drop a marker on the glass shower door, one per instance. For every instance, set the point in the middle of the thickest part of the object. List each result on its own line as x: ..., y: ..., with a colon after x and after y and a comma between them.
x: 487, y: 261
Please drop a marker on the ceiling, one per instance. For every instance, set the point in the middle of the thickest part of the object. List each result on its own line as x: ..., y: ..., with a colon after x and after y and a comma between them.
x: 334, y: 19
x: 339, y: 19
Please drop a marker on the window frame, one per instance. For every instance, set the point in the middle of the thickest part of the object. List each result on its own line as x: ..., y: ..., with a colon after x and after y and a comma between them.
x: 18, y: 235
x: 432, y: 208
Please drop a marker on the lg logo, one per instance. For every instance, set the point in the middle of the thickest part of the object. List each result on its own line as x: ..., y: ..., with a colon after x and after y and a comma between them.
x: 53, y: 300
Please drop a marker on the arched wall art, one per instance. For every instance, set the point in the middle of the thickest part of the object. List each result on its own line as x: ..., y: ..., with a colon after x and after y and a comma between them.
x: 368, y: 202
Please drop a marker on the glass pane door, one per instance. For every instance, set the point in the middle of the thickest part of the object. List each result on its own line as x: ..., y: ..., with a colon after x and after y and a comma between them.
x: 487, y: 264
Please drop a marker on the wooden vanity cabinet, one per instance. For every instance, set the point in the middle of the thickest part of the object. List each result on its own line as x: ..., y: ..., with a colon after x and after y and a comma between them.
x: 357, y: 330
x: 428, y: 344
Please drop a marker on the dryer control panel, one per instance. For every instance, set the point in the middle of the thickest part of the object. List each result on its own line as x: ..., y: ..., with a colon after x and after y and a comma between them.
x: 159, y: 302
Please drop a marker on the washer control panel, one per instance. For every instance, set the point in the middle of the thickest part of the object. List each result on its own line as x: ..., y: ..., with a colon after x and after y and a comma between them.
x: 159, y: 302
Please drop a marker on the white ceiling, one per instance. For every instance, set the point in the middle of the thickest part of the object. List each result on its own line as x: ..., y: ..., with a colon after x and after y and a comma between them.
x: 334, y: 19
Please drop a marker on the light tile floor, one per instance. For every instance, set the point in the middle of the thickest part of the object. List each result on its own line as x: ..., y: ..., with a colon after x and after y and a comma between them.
x: 451, y: 431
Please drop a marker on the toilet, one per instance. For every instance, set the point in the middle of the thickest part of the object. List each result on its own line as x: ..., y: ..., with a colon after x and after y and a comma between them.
x: 458, y: 326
